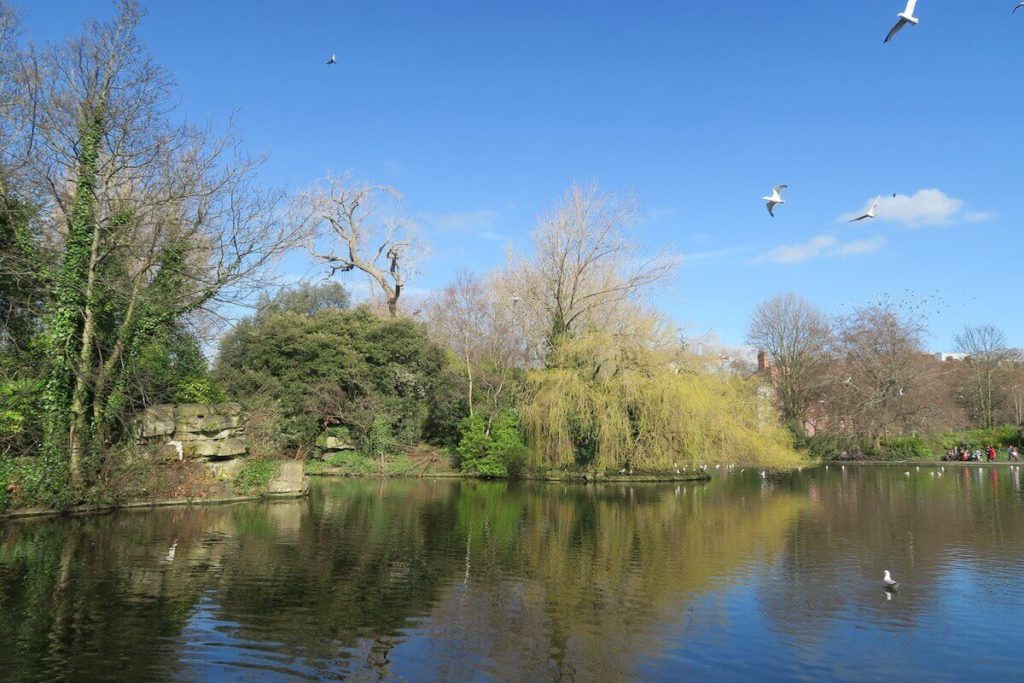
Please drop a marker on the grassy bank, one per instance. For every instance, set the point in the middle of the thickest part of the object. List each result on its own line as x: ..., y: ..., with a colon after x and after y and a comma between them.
x: 930, y: 447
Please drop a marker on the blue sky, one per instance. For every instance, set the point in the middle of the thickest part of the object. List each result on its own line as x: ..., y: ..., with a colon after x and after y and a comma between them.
x: 482, y: 114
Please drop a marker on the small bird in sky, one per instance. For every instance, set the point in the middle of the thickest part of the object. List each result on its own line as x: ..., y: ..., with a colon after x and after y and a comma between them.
x: 870, y: 213
x: 775, y: 199
x: 906, y: 17
x: 332, y: 60
x: 1019, y: 5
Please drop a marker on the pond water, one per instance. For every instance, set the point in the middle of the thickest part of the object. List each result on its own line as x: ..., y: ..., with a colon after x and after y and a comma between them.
x: 737, y: 579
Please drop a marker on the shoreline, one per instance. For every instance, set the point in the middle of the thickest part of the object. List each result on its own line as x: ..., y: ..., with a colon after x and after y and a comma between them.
x: 572, y: 477
x: 83, y: 510
x: 920, y: 463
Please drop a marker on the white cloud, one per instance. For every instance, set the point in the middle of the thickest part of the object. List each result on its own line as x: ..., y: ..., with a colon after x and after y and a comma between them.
x: 696, y: 256
x: 480, y: 223
x: 822, y: 246
x: 924, y: 207
x: 867, y: 246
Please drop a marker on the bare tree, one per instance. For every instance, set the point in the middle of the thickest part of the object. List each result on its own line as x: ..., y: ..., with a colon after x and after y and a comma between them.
x: 476, y: 318
x: 387, y: 249
x: 986, y: 367
x: 886, y: 384
x: 795, y: 334
x: 585, y: 262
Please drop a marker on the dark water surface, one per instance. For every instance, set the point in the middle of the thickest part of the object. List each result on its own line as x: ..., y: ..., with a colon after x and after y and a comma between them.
x: 738, y: 579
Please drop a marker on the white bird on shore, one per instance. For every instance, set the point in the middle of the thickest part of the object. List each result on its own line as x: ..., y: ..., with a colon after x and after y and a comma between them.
x: 871, y: 213
x: 917, y: 469
x: 888, y: 583
x: 764, y: 475
x: 775, y: 198
x: 906, y: 474
x: 905, y: 17
x: 332, y: 60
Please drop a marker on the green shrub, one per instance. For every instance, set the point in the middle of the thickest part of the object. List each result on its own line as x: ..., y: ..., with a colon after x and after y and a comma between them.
x: 35, y: 480
x: 256, y: 475
x: 335, y: 367
x: 495, y: 454
x: 1000, y: 437
x: 379, y: 443
x: 400, y: 466
x: 475, y: 440
x: 352, y: 461
x: 487, y: 467
x: 905, y: 448
x: 507, y: 443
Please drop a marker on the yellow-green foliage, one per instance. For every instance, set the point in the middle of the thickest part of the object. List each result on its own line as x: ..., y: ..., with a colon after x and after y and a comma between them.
x: 630, y: 398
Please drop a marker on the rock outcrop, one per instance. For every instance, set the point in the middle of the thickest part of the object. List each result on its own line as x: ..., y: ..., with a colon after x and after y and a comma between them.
x: 213, y: 433
x: 291, y: 480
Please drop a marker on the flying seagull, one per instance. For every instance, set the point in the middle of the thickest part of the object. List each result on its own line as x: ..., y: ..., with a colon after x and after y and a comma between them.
x: 1019, y: 5
x: 332, y: 60
x: 869, y: 214
x: 906, y: 17
x: 888, y: 583
x: 775, y: 199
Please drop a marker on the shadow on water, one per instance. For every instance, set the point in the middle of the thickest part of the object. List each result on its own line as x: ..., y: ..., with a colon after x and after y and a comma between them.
x: 429, y: 579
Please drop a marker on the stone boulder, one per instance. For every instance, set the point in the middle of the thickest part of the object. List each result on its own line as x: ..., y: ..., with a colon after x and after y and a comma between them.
x: 333, y: 443
x: 207, y: 419
x: 157, y: 421
x: 290, y: 480
x: 209, y: 432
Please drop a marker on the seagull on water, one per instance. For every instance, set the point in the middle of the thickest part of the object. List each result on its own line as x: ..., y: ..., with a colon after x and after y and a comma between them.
x: 888, y: 583
x: 764, y: 475
x: 906, y: 17
x: 870, y: 213
x: 332, y: 60
x: 775, y: 198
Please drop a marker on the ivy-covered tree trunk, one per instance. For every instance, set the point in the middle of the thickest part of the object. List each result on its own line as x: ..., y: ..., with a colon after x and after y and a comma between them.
x: 71, y: 323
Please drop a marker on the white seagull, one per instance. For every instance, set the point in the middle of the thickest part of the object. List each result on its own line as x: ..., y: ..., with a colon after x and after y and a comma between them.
x: 888, y: 583
x: 332, y: 60
x: 775, y: 199
x: 869, y: 214
x: 906, y: 17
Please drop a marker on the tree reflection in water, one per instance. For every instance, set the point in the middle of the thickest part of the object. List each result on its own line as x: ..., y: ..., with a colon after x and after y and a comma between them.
x: 450, y: 580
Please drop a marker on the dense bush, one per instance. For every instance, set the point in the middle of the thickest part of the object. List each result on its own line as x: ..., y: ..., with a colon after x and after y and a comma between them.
x: 1000, y: 437
x: 495, y: 453
x: 904, y: 448
x: 334, y: 367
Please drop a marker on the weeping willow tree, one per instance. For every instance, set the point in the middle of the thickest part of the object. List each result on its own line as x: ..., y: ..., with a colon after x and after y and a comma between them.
x: 631, y: 399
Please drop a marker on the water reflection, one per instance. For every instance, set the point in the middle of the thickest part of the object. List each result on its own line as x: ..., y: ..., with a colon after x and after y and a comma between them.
x: 773, y: 578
